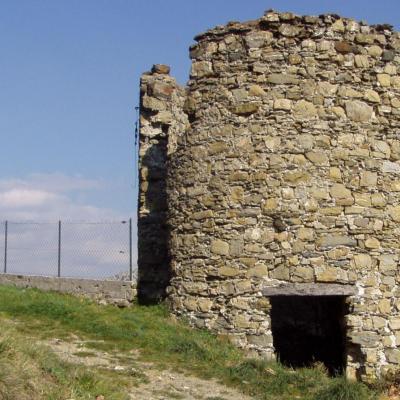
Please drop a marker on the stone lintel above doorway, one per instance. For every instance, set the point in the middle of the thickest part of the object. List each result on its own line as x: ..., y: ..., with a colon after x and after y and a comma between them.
x: 310, y: 289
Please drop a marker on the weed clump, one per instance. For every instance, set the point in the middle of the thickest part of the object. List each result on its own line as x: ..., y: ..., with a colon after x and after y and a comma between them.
x: 342, y: 389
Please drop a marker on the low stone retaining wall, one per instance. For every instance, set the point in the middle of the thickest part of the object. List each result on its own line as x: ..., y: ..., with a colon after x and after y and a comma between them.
x: 119, y: 293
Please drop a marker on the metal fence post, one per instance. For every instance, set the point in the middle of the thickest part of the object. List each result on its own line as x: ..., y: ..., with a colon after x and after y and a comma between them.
x: 5, y: 245
x: 130, y: 250
x: 59, y: 250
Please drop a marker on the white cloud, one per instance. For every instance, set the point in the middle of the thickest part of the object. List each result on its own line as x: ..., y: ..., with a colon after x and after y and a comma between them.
x: 56, y: 181
x: 22, y: 198
x: 44, y: 197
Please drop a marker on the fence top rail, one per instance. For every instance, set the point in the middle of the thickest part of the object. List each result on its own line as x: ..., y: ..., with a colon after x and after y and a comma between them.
x: 111, y: 222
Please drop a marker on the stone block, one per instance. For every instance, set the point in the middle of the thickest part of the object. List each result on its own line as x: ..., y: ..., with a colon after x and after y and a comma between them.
x: 260, y: 340
x: 367, y: 339
x: 330, y: 241
x: 303, y: 274
x: 372, y: 96
x: 368, y: 179
x: 245, y: 109
x: 305, y: 142
x: 259, y: 39
x: 228, y: 272
x: 295, y: 59
x: 389, y: 167
x: 394, y: 323
x: 326, y: 274
x: 202, y: 69
x: 326, y: 89
x: 242, y: 322
x: 384, y: 80
x: 296, y: 177
x: 304, y: 110
x: 217, y: 148
x: 204, y: 304
x: 362, y: 261
x: 236, y: 246
x: 219, y: 247
x: 153, y: 104
x: 343, y: 47
x: 190, y: 304
x: 388, y: 264
x: 306, y: 234
x: 318, y: 158
x: 361, y: 61
x: 162, y: 90
x: 281, y: 273
x: 358, y: 111
x: 338, y: 26
x: 393, y: 356
x: 161, y: 69
x: 375, y: 51
x: 378, y: 200
x: 372, y: 243
x: 282, y: 79
x: 384, y: 306
x: 259, y: 271
x: 339, y: 191
x: 200, y: 215
x: 394, y: 212
x: 289, y: 30
x: 256, y: 90
x: 283, y: 104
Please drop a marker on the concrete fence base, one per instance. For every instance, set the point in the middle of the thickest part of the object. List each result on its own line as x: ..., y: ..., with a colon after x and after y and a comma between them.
x: 119, y: 293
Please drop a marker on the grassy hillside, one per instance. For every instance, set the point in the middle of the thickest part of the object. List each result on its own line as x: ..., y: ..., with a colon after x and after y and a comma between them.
x: 28, y: 316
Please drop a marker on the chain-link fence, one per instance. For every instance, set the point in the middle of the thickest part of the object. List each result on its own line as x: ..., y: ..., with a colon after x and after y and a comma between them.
x: 96, y: 250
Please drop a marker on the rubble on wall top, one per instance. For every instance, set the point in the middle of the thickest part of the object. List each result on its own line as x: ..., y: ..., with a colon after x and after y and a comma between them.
x: 162, y: 69
x: 311, y: 25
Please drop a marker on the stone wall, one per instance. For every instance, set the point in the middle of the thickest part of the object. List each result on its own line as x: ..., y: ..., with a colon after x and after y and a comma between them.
x: 119, y: 293
x: 289, y: 172
x: 161, y: 122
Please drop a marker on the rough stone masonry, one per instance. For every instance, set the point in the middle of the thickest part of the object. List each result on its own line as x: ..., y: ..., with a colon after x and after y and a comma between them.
x: 277, y: 168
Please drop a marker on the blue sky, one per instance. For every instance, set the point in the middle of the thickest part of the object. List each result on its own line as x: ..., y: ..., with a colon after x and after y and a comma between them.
x: 69, y: 74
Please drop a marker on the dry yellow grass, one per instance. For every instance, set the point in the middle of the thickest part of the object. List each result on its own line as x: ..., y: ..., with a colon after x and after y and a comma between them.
x: 29, y: 371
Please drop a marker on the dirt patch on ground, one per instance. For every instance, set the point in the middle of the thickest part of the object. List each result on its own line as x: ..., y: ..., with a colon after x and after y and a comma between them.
x: 151, y: 383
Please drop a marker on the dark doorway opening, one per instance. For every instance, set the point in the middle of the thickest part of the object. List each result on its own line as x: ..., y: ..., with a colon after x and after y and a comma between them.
x: 310, y: 329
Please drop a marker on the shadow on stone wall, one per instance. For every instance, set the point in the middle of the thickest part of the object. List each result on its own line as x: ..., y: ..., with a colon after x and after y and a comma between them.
x: 355, y: 353
x: 154, y: 272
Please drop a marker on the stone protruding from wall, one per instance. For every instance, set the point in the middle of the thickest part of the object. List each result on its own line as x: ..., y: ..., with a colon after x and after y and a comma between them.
x: 161, y: 122
x: 289, y: 173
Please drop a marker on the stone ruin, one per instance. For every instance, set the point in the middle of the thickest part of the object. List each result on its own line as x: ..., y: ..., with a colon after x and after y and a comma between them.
x: 270, y: 190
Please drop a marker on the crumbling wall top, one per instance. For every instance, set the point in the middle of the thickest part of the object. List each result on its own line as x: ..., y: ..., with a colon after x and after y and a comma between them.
x: 307, y: 26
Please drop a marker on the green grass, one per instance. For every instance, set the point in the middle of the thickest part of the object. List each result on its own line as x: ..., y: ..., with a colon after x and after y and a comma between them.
x: 169, y: 344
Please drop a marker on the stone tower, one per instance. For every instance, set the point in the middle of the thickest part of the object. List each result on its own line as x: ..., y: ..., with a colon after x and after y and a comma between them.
x: 270, y: 190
